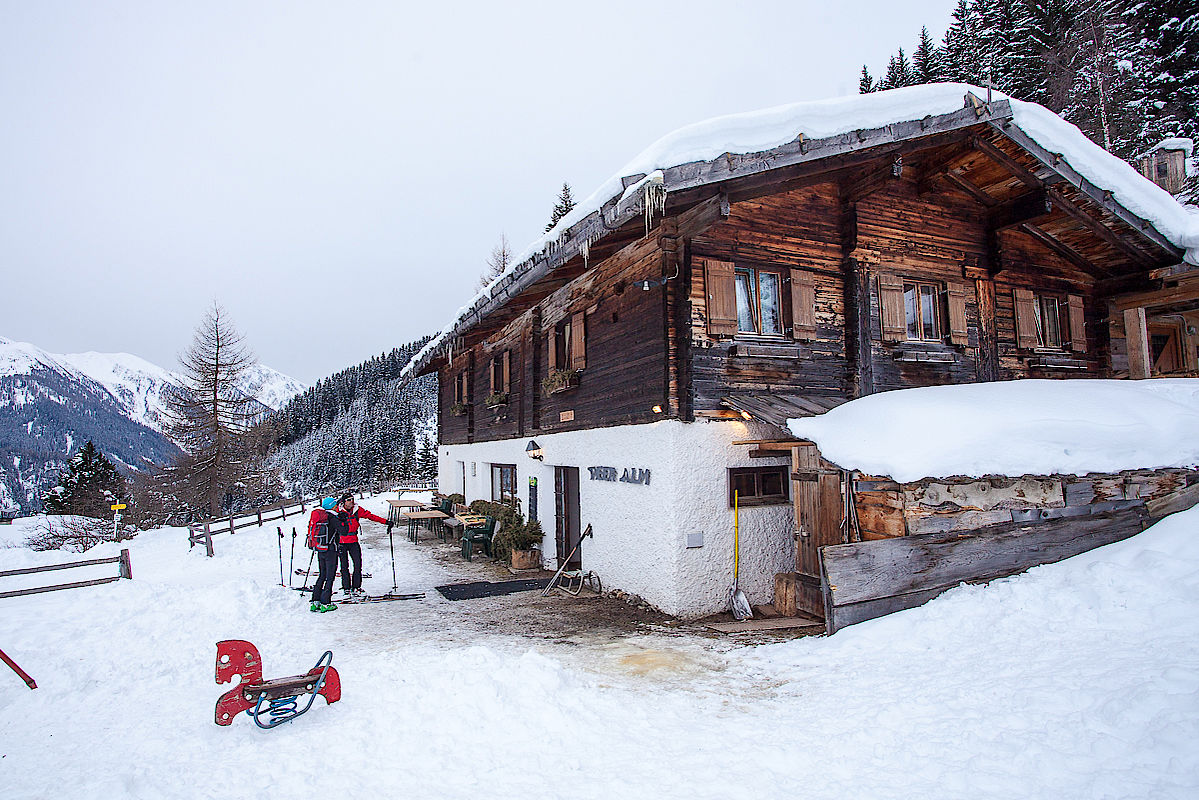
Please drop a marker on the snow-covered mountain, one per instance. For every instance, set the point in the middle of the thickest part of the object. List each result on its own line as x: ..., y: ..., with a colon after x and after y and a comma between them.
x: 51, y: 404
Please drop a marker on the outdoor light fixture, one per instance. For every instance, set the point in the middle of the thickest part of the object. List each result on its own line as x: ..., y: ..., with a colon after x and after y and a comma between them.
x: 657, y: 409
x: 533, y: 450
x: 746, y: 415
x: 645, y: 286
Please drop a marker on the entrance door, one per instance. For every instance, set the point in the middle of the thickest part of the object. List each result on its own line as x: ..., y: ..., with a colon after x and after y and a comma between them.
x: 818, y: 512
x: 566, y: 506
x: 1164, y: 352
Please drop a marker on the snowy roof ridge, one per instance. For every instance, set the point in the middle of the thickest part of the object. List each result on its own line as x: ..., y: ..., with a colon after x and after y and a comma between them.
x: 610, y: 205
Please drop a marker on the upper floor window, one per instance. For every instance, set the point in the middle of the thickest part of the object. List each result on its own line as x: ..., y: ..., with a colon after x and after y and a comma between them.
x: 922, y: 311
x: 759, y: 301
x: 1049, y: 320
x: 567, y: 343
x: 500, y: 373
x: 460, y: 389
x: 756, y: 486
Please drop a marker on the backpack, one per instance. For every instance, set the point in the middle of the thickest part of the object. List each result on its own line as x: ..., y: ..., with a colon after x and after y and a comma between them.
x: 319, y: 537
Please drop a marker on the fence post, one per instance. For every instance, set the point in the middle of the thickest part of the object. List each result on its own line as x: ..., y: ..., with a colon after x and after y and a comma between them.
x: 231, y: 529
x: 260, y: 517
x: 283, y: 509
x: 126, y: 567
x: 208, y: 539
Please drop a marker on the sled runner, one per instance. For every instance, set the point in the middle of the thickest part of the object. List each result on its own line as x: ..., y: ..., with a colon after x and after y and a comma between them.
x: 275, y: 701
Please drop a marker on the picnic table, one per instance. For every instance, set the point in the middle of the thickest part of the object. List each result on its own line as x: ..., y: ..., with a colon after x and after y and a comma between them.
x: 454, y: 526
x: 396, y: 508
x: 414, y: 519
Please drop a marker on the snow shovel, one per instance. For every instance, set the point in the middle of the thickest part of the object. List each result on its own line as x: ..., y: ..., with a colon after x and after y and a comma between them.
x: 738, y: 602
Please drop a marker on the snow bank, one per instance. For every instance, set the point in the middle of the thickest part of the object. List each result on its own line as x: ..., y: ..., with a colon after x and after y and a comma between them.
x: 1026, y: 427
x: 755, y: 131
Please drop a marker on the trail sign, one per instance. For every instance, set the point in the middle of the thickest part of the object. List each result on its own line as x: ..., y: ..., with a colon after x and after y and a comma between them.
x: 117, y: 506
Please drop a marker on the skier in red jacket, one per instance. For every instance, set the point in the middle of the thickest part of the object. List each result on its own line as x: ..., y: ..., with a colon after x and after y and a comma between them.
x: 349, y: 546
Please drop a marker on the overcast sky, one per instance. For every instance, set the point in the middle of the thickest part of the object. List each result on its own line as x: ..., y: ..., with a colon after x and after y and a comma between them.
x: 336, y: 174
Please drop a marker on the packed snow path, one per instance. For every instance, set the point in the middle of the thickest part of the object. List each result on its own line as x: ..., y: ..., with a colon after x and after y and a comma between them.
x: 1079, y: 679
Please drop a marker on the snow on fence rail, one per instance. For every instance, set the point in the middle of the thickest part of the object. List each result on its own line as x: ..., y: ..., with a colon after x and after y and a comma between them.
x: 125, y: 570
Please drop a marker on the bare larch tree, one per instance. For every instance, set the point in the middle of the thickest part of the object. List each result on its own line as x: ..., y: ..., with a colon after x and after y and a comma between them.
x: 497, y: 262
x: 209, y: 414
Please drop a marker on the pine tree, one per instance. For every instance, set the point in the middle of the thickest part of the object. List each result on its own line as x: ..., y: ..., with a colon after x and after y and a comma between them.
x: 926, y: 60
x: 88, y: 486
x: 565, y: 203
x: 866, y: 84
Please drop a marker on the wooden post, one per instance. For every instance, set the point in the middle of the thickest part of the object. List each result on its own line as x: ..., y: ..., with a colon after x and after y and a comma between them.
x: 283, y: 509
x: 260, y: 517
x: 231, y: 529
x: 988, y: 336
x: 126, y: 567
x: 1137, y: 339
x: 208, y: 540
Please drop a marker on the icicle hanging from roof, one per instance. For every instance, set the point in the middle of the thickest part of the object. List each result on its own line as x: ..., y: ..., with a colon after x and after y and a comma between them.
x: 588, y: 240
x: 654, y: 199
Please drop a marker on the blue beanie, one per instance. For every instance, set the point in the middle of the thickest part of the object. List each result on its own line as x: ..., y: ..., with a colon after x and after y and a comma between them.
x: 328, y: 504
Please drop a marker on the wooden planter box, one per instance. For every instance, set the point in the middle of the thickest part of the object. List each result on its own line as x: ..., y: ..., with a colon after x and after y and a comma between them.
x: 526, y: 559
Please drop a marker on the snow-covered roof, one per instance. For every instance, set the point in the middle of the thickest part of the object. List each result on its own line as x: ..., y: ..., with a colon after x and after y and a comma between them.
x: 758, y: 131
x: 1026, y: 427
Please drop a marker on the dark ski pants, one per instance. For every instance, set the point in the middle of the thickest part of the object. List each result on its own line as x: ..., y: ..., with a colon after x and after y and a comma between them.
x: 351, y: 550
x: 322, y: 590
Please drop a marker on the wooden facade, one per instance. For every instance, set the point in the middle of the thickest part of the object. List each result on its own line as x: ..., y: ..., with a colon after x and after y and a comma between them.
x: 947, y: 250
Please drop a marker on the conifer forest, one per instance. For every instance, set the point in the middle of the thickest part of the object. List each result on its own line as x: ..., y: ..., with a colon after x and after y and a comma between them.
x: 1124, y: 71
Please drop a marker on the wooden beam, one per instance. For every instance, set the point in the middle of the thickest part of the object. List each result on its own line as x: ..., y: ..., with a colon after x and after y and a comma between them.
x: 1158, y: 297
x: 1032, y: 207
x: 934, y: 167
x: 1010, y: 164
x: 1065, y: 251
x: 1136, y: 339
x: 1102, y: 231
x: 970, y: 189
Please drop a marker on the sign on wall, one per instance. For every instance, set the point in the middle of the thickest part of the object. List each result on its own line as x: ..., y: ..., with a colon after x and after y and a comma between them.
x: 629, y: 475
x: 532, y: 499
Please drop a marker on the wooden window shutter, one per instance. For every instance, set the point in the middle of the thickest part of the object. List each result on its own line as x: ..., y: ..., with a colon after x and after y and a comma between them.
x: 890, y: 303
x: 721, y: 285
x: 491, y: 376
x: 578, y: 341
x: 507, y: 372
x: 1026, y: 319
x: 1078, y: 330
x: 955, y: 294
x: 552, y: 348
x: 803, y: 305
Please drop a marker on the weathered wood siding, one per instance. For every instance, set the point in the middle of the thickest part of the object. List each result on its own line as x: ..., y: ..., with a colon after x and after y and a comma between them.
x: 797, y: 229
x: 624, y: 373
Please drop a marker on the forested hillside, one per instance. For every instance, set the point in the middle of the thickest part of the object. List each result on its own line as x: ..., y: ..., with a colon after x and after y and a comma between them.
x: 1124, y: 71
x: 358, y: 427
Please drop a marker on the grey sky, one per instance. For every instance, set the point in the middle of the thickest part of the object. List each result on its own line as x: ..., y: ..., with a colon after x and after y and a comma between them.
x: 336, y: 174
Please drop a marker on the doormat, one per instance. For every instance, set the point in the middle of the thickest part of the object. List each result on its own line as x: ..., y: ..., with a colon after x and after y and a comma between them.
x: 469, y: 591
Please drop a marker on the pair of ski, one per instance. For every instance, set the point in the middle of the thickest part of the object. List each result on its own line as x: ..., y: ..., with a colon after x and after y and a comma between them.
x: 337, y: 574
x: 381, y: 598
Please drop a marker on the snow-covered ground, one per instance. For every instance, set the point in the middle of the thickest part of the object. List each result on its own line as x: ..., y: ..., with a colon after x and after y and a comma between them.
x: 1076, y: 680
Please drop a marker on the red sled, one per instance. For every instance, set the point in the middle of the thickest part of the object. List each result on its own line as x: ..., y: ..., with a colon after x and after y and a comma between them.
x: 275, y: 701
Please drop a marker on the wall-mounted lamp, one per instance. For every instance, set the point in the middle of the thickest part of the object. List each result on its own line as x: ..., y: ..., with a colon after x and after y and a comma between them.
x: 657, y: 409
x: 533, y: 450
x: 746, y: 415
x: 645, y: 286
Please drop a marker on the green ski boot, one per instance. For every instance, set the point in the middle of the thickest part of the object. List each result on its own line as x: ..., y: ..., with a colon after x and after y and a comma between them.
x: 328, y: 607
x: 314, y: 607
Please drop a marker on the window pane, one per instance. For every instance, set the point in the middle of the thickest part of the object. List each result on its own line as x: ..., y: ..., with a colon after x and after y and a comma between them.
x: 772, y: 484
x: 1038, y: 314
x: 743, y: 484
x: 928, y: 312
x: 746, y: 303
x: 1053, y: 333
x: 911, y: 310
x: 772, y: 321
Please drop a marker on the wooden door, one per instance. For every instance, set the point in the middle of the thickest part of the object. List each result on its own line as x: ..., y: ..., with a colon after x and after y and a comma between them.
x: 566, y: 515
x: 1164, y: 352
x: 816, y: 492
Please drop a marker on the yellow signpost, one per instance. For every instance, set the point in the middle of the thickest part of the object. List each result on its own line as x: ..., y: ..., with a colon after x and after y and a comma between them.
x: 117, y: 506
x: 116, y: 518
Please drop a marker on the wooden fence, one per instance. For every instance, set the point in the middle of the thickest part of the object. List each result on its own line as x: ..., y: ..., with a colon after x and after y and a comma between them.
x: 125, y: 570
x: 202, y: 532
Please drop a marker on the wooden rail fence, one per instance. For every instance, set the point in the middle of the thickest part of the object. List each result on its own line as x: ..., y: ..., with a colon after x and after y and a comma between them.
x: 125, y: 570
x: 202, y: 532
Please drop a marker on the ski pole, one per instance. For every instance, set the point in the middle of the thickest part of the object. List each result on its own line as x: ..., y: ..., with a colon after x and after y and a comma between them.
x: 280, y: 530
x: 291, y: 570
x: 391, y: 544
x: 308, y: 572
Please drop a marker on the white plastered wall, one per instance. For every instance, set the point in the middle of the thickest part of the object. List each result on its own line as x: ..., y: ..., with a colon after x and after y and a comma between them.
x: 641, y: 530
